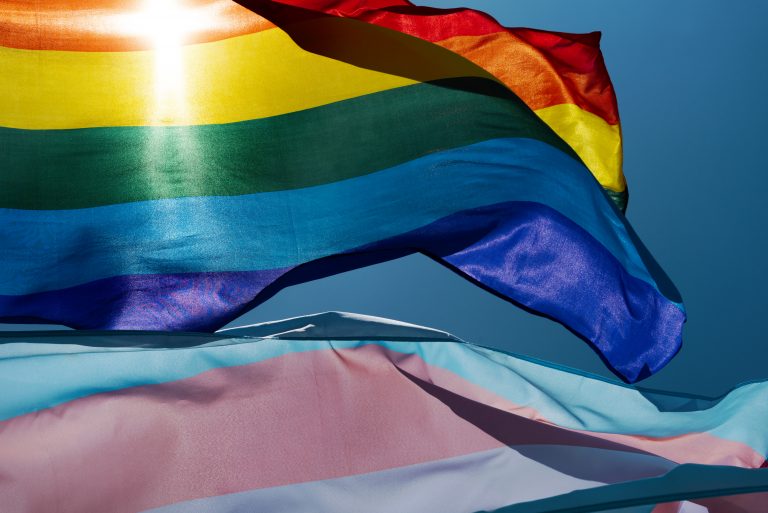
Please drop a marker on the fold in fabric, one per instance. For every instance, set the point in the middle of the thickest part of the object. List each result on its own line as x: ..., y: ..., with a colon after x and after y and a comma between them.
x: 339, y: 412
x: 175, y: 186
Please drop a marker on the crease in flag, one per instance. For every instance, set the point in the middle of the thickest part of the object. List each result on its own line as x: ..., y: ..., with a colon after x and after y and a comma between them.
x: 341, y: 412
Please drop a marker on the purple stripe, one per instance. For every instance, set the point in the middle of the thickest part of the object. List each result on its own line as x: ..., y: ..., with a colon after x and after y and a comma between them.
x: 525, y: 251
x: 175, y: 302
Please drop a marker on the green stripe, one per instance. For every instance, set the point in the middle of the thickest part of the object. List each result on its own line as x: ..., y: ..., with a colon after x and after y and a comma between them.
x: 63, y: 169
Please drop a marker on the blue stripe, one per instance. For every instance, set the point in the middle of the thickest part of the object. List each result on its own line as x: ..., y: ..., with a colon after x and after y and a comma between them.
x: 523, y: 251
x: 49, y: 250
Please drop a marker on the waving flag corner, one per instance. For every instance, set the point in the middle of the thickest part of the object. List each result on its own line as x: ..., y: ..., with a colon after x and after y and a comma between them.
x: 168, y: 164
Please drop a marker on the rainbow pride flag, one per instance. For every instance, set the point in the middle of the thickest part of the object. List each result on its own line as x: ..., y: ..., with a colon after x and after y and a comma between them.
x: 168, y: 165
x: 337, y: 412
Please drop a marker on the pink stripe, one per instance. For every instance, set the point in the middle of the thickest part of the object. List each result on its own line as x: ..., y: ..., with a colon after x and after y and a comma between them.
x: 300, y: 417
x: 702, y: 448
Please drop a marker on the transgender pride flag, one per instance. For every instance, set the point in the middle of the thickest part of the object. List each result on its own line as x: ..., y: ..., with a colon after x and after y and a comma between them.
x: 343, y: 413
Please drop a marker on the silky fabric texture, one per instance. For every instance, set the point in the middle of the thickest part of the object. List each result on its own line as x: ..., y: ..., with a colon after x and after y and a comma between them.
x: 568, y: 68
x: 155, y: 421
x: 155, y: 213
x: 570, y: 74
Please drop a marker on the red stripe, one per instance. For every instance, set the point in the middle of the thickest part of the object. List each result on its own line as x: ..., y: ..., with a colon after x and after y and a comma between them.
x: 572, y: 63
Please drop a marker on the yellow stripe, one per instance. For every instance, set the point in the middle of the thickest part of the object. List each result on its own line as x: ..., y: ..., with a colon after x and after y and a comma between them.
x: 247, y: 77
x: 592, y: 138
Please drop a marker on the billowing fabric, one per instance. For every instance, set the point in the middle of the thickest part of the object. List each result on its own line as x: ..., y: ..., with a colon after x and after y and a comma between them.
x: 169, y: 165
x: 561, y: 77
x: 344, y: 413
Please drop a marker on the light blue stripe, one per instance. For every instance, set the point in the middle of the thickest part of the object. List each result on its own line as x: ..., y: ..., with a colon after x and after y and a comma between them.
x: 484, y: 481
x: 49, y: 250
x: 37, y: 375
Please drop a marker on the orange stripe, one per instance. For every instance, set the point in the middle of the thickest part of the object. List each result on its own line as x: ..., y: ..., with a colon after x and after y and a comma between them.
x: 515, y: 62
x: 115, y: 25
x: 119, y: 25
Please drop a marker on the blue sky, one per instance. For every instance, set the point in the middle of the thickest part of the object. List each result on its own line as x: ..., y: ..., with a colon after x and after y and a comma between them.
x: 691, y: 80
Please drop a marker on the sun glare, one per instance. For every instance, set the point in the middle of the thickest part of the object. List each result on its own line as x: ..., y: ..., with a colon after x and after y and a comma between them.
x: 164, y: 25
x: 168, y: 26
